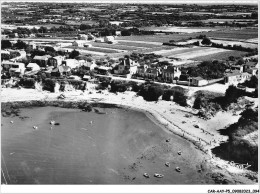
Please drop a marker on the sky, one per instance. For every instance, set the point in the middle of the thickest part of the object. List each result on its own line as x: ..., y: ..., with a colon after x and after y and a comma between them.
x: 149, y: 1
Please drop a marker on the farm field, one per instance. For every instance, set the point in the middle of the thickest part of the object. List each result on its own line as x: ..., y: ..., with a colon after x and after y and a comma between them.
x: 220, y: 56
x: 253, y: 40
x: 230, y: 33
x: 199, y: 52
x: 157, y: 38
x: 115, y: 46
x: 242, y: 34
x: 178, y: 29
x: 96, y: 49
x: 179, y: 50
x: 141, y: 44
x: 228, y: 20
x: 243, y: 44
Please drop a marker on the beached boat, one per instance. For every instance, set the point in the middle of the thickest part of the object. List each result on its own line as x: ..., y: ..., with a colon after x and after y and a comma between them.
x: 62, y: 96
x: 146, y: 175
x: 158, y: 175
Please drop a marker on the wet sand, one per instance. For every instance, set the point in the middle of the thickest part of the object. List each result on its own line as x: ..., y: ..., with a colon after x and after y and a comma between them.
x: 117, y: 148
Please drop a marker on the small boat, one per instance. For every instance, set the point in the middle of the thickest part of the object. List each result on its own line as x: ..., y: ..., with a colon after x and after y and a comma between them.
x: 62, y: 96
x: 179, y: 152
x: 158, y: 175
x: 178, y: 169
x: 167, y: 164
x: 146, y: 175
x: 52, y: 122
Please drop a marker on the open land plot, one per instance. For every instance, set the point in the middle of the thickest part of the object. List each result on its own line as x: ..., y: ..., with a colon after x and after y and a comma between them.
x: 253, y: 40
x: 179, y: 50
x: 243, y: 44
x: 228, y: 20
x: 157, y: 38
x: 114, y: 46
x: 235, y: 34
x: 198, y: 52
x: 139, y: 44
x: 220, y: 56
x: 84, y: 51
x: 231, y: 33
x: 95, y: 49
x: 178, y: 29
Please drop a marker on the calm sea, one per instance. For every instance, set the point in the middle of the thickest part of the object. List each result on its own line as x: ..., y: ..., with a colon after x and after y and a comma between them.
x: 90, y: 148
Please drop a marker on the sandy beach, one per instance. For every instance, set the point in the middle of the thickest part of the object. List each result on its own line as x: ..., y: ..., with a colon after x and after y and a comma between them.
x: 168, y: 115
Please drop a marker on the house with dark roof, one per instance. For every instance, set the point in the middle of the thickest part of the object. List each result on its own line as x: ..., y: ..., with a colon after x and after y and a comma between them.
x: 127, y: 66
x: 42, y: 61
x: 151, y: 73
x: 56, y: 61
x: 170, y: 73
x: 251, y: 67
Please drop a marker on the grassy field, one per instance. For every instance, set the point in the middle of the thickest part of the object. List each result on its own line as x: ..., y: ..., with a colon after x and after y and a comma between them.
x: 236, y: 34
x: 220, y: 56
x: 225, y: 33
x: 138, y: 44
x: 101, y: 50
x: 158, y: 38
x: 114, y: 46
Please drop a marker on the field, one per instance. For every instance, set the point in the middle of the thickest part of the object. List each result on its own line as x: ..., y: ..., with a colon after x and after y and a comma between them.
x: 220, y: 56
x: 177, y: 51
x: 242, y: 34
x: 140, y: 44
x: 243, y: 44
x: 229, y: 20
x: 114, y: 46
x: 178, y: 29
x: 96, y: 49
x: 158, y: 38
x: 230, y: 33
x: 197, y: 53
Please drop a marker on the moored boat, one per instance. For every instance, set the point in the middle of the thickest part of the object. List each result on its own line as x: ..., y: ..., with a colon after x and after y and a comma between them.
x: 158, y: 175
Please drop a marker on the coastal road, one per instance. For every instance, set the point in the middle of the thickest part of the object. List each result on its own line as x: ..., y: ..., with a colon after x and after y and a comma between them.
x: 219, y: 88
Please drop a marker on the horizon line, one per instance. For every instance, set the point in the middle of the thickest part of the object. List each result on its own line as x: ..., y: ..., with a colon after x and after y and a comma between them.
x: 169, y: 2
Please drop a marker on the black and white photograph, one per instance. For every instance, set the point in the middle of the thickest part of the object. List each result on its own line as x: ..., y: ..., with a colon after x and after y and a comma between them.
x: 157, y: 94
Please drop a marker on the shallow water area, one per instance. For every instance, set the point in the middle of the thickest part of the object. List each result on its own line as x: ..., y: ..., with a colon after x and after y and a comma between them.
x: 90, y: 148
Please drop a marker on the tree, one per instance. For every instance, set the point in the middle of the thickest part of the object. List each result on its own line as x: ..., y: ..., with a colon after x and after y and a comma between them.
x: 125, y: 33
x: 74, y: 54
x: 206, y: 41
x: 5, y: 44
x: 20, y: 45
x: 42, y: 29
x: 240, y: 61
x: 180, y: 98
x: 231, y: 58
x: 49, y: 49
x: 232, y: 94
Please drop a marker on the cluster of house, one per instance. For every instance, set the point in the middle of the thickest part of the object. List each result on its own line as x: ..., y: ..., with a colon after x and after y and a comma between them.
x: 106, y: 39
x: 238, y: 74
x: 170, y: 72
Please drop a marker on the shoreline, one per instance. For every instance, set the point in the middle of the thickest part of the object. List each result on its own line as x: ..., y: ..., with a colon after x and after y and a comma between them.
x: 158, y: 116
